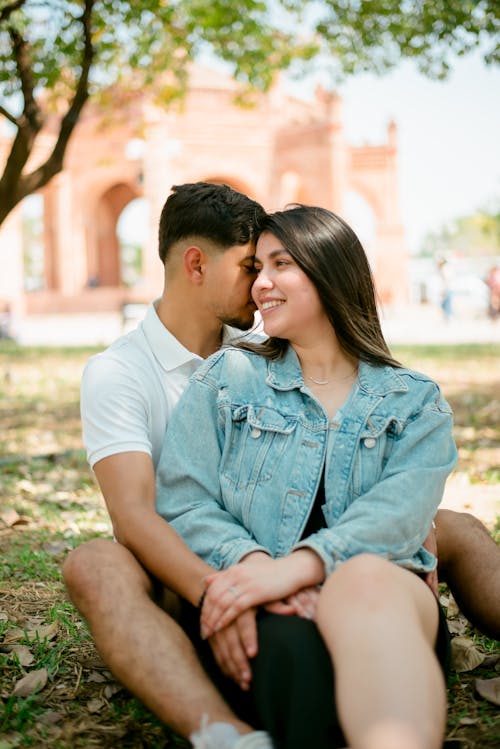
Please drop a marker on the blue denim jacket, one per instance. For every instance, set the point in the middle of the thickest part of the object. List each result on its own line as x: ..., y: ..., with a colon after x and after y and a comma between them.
x: 248, y: 442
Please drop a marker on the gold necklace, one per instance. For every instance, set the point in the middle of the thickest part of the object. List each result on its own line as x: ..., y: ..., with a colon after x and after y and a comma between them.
x: 327, y: 382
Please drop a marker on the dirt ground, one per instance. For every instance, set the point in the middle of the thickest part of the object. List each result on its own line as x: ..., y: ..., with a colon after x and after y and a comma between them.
x: 50, y: 504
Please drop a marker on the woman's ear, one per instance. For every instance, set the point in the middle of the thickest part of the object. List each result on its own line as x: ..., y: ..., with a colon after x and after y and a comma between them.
x: 194, y: 263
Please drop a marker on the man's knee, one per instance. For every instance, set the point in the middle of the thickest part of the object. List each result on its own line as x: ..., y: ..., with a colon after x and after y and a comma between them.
x: 469, y: 562
x: 93, y: 570
x: 457, y: 532
x: 84, y: 563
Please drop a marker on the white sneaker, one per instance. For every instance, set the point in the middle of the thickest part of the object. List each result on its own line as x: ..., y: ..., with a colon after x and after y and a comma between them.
x: 254, y: 740
x: 225, y: 736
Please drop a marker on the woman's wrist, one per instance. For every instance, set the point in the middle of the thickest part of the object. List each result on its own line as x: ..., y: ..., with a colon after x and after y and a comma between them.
x: 306, y: 566
x: 256, y: 556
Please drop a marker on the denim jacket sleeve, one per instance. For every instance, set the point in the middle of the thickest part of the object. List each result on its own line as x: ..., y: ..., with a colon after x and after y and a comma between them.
x: 188, y: 493
x: 391, y: 517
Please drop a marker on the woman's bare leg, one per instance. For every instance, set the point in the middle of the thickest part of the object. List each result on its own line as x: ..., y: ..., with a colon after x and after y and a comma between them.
x: 379, y: 623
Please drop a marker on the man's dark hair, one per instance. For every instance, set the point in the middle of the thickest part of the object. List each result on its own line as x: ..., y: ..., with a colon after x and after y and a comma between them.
x: 214, y: 212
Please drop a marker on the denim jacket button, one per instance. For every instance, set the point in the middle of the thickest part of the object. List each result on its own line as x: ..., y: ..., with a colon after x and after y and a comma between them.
x: 370, y: 442
x: 255, y: 433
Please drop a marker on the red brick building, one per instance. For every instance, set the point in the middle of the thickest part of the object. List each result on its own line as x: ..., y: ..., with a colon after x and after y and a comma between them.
x: 279, y: 151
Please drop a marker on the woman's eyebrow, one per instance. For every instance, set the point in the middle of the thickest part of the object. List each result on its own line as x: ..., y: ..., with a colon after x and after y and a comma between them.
x: 272, y: 254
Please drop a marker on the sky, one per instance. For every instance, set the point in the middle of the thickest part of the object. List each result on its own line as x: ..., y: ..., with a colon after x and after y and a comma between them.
x: 448, y: 135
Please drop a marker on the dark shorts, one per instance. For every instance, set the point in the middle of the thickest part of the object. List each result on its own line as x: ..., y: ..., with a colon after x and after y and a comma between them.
x: 293, y: 688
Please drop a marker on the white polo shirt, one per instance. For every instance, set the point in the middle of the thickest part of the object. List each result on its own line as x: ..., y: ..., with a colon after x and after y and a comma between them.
x: 129, y: 391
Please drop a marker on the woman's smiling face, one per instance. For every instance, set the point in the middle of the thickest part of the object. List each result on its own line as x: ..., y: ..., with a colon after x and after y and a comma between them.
x: 285, y: 296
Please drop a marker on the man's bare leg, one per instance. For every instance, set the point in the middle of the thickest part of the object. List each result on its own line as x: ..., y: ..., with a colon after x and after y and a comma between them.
x: 469, y: 563
x: 143, y: 646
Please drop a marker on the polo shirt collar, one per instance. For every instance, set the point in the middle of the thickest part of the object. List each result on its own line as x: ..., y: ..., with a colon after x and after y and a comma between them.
x: 170, y: 352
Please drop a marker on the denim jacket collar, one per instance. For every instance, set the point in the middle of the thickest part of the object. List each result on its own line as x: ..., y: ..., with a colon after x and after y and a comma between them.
x: 285, y: 374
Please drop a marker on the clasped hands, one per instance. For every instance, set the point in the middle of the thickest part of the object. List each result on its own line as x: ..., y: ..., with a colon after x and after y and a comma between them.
x: 283, y: 586
x: 228, y: 616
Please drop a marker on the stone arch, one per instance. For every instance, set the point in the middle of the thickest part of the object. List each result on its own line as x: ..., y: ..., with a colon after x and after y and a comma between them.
x: 292, y: 189
x: 370, y: 196
x: 302, y: 156
x: 387, y: 253
x: 361, y: 215
x: 103, y: 249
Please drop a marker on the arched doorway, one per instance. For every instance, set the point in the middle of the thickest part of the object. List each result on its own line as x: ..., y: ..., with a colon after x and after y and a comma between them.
x: 132, y: 230
x: 34, y: 260
x: 360, y: 214
x: 104, y: 267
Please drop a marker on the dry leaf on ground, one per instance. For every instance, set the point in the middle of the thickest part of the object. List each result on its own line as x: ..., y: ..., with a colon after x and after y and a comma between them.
x: 465, y: 721
x: 464, y: 654
x: 452, y: 609
x: 489, y: 689
x: 95, y: 704
x: 492, y: 661
x: 13, y: 635
x: 24, y: 655
x: 50, y: 717
x: 9, y: 517
x: 110, y: 690
x: 457, y: 626
x: 33, y: 682
x: 96, y: 677
x: 45, y: 632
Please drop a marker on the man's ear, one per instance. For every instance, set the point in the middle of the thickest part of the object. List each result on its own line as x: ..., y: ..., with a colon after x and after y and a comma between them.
x: 194, y: 264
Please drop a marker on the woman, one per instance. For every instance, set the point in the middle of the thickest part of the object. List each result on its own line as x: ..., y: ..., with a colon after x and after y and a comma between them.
x: 309, y: 469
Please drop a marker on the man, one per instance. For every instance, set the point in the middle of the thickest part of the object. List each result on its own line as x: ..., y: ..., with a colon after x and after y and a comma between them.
x: 128, y: 392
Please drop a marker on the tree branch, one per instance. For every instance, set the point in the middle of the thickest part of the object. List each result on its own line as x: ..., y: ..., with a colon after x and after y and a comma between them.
x: 8, y: 116
x: 5, y: 12
x: 28, y: 125
x: 54, y: 163
x: 82, y: 91
x: 31, y: 112
x: 11, y: 178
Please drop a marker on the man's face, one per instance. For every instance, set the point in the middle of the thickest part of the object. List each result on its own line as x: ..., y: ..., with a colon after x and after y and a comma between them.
x: 229, y: 278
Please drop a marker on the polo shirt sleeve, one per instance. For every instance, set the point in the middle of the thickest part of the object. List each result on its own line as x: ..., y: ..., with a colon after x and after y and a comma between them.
x: 114, y: 410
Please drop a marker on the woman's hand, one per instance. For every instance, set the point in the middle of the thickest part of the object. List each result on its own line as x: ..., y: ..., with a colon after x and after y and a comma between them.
x: 258, y: 579
x: 237, y: 589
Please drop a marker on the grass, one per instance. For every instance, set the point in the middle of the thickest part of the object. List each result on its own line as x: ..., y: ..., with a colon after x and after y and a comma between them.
x: 50, y: 504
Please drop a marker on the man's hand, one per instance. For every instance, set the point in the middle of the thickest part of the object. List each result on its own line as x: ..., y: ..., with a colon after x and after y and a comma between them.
x: 234, y: 645
x: 257, y: 580
x: 303, y: 603
x: 430, y: 544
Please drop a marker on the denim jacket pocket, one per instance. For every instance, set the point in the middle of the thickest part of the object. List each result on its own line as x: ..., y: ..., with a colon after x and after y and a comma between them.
x: 256, y: 438
x: 376, y: 440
